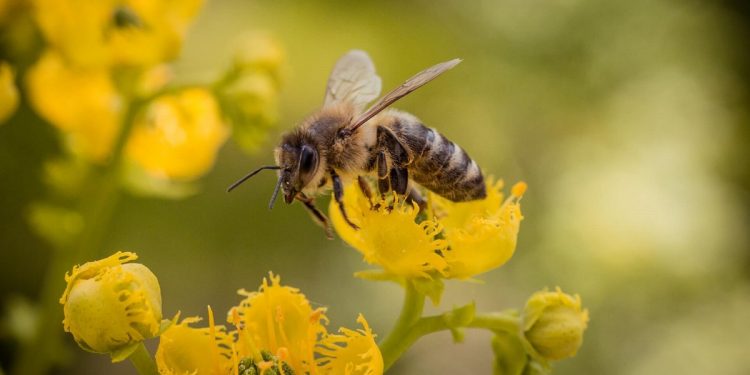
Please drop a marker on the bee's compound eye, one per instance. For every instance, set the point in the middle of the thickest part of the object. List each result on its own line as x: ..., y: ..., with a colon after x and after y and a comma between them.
x: 308, y: 159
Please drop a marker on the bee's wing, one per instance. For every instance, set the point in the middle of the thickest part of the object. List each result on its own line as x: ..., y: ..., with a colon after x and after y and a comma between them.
x: 353, y: 80
x: 413, y: 83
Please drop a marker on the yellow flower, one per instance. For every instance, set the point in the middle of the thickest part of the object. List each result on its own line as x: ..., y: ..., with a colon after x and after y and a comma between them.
x: 458, y: 240
x: 110, y: 305
x: 481, y: 234
x: 278, y: 329
x: 351, y: 353
x: 250, y: 104
x: 178, y: 136
x: 8, y: 92
x: 82, y: 103
x: 390, y: 238
x: 553, y: 324
x: 187, y: 350
x: 278, y: 318
x: 102, y: 32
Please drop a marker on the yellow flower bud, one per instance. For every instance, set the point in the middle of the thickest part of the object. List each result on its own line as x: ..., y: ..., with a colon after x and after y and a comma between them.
x: 8, y: 92
x: 110, y: 305
x: 553, y: 324
x: 179, y: 135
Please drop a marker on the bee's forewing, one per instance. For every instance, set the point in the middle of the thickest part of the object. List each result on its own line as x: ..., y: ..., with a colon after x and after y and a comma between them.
x: 413, y: 83
x: 353, y: 80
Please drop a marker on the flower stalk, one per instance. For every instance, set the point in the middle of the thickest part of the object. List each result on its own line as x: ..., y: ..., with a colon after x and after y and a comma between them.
x: 143, y: 361
x: 394, y: 345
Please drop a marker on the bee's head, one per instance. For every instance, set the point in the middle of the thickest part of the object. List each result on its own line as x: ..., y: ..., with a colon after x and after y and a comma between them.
x: 299, y: 161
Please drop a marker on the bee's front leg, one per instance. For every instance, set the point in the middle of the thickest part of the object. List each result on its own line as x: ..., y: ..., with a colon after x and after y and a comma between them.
x: 338, y: 195
x: 319, y: 217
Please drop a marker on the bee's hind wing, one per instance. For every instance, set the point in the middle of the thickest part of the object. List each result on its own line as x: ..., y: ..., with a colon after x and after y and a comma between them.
x: 353, y: 80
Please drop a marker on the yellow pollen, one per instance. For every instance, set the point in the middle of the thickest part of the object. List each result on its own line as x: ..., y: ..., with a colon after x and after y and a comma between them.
x: 518, y: 189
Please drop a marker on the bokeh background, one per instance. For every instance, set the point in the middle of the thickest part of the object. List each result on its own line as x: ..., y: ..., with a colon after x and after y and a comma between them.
x: 628, y: 120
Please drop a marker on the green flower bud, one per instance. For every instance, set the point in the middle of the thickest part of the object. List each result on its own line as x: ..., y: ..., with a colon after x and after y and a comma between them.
x: 553, y: 325
x: 110, y: 305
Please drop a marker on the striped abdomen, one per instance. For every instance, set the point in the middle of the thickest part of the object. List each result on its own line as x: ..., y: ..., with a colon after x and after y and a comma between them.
x: 438, y: 164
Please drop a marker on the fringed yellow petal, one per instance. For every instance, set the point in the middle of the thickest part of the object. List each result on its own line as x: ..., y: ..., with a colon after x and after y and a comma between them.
x: 109, y: 305
x: 179, y: 135
x: 390, y: 238
x: 186, y: 350
x: 351, y: 352
x: 482, y: 234
x: 278, y: 318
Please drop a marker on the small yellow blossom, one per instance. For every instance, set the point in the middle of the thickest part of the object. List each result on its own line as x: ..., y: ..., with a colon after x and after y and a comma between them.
x: 278, y: 318
x: 82, y: 103
x: 8, y: 91
x: 110, y: 305
x: 278, y: 329
x: 178, y: 135
x: 103, y: 32
x: 351, y: 352
x: 187, y: 350
x: 390, y: 238
x: 457, y: 240
x: 553, y: 324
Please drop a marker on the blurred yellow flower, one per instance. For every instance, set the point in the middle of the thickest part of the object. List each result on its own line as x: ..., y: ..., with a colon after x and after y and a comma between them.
x: 187, y: 350
x: 110, y: 305
x: 481, y: 234
x: 460, y: 240
x: 351, y: 352
x: 82, y: 103
x: 102, y: 32
x: 178, y: 135
x: 553, y: 324
x: 8, y: 91
x: 392, y: 239
x: 259, y: 51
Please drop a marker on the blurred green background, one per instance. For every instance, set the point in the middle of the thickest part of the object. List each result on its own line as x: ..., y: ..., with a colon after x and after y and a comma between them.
x: 628, y: 120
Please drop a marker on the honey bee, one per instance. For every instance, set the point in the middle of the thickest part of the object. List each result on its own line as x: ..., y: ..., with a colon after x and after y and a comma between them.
x: 343, y: 141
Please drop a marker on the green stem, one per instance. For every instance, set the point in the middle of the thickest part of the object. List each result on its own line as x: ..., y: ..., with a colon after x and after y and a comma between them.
x: 393, y: 346
x: 98, y: 206
x: 506, y: 321
x: 143, y: 361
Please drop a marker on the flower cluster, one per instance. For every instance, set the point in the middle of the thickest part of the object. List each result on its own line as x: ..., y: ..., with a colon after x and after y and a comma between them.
x: 453, y: 240
x: 111, y: 307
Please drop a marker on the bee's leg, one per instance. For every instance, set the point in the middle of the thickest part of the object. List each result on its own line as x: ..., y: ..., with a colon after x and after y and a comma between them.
x: 365, y: 187
x: 384, y: 183
x: 318, y: 216
x: 399, y: 180
x: 338, y: 195
x: 416, y: 197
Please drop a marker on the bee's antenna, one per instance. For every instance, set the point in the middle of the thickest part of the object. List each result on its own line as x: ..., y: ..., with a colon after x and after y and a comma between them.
x: 251, y: 174
x: 274, y: 195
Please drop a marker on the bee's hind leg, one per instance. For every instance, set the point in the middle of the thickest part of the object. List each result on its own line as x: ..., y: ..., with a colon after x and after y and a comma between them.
x: 318, y: 216
x: 415, y: 196
x: 338, y: 195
